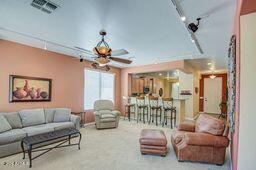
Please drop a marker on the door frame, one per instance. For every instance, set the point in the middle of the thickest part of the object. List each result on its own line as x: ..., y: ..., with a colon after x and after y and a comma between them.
x: 201, y: 91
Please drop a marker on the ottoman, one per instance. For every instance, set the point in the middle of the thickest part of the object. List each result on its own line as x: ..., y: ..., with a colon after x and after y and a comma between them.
x: 153, y: 141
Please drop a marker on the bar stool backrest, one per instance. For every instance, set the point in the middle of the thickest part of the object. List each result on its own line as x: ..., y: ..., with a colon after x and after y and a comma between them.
x: 133, y: 100
x: 154, y: 102
x: 146, y: 100
x: 167, y: 103
x: 140, y: 101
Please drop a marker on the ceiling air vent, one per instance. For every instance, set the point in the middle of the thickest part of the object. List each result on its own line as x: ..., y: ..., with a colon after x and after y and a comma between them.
x: 44, y: 5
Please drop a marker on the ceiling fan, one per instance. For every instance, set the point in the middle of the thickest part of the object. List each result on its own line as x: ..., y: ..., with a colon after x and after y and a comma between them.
x: 103, y: 54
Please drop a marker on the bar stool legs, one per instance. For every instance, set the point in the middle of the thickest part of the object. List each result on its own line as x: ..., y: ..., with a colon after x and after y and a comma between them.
x: 173, y: 117
x: 154, y: 114
x: 142, y: 112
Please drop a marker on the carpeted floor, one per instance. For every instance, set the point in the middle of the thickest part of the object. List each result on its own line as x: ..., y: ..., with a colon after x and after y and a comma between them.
x: 111, y: 149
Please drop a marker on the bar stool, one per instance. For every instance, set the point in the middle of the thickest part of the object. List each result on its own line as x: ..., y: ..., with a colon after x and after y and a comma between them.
x: 142, y: 109
x: 169, y: 111
x: 129, y: 109
x: 155, y: 109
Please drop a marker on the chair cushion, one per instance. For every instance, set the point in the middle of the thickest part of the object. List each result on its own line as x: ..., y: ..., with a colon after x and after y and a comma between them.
x: 107, y: 115
x: 39, y: 129
x: 108, y: 119
x: 105, y: 112
x: 31, y: 117
x: 62, y: 115
x: 13, y: 118
x: 4, y: 124
x: 209, y: 124
x: 49, y: 115
x: 62, y: 125
x: 12, y: 136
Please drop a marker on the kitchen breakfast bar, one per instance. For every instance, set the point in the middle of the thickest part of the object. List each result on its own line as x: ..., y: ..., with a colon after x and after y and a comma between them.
x: 156, y: 109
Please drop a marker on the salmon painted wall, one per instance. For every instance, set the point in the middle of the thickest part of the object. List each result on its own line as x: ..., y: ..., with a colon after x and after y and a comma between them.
x: 66, y: 73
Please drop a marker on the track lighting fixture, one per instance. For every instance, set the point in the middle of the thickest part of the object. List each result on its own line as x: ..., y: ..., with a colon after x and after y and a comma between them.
x: 194, y: 27
x: 81, y: 59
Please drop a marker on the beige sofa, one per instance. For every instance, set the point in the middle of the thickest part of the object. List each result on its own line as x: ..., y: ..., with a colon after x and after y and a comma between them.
x: 16, y: 125
x: 105, y: 115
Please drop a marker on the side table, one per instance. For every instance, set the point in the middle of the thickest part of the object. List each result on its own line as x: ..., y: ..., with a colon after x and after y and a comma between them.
x: 82, y: 116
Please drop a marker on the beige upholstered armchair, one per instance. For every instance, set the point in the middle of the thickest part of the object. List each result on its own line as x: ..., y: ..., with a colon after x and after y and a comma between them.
x: 105, y: 115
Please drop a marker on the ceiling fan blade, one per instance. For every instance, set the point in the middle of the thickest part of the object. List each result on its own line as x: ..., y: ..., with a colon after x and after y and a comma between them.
x: 119, y: 52
x: 120, y: 60
x: 86, y: 51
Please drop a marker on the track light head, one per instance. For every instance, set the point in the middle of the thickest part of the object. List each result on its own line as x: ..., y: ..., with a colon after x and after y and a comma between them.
x: 194, y: 27
x: 81, y: 59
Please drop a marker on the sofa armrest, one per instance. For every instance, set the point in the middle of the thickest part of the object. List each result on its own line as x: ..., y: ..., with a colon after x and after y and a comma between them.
x: 76, y: 120
x: 204, y: 139
x: 187, y: 126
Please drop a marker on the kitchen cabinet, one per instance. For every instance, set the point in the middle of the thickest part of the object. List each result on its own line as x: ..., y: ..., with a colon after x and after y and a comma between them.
x: 138, y: 85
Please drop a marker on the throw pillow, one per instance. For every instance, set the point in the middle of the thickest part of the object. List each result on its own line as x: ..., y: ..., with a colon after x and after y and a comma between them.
x: 31, y: 117
x: 49, y: 115
x: 4, y: 124
x: 62, y: 115
x: 13, y: 119
x: 208, y: 124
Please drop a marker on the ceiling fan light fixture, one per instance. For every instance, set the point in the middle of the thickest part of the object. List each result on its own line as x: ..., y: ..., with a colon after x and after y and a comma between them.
x: 102, y: 51
x: 102, y: 61
x: 102, y: 65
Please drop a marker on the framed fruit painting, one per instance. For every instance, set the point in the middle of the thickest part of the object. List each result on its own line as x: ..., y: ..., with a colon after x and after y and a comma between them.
x: 30, y: 89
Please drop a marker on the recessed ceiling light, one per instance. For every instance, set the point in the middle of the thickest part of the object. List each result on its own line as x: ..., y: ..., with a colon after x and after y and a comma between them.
x: 183, y: 18
x: 192, y: 40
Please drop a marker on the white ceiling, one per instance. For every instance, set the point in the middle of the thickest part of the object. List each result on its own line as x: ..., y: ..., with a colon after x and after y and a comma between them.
x: 150, y: 30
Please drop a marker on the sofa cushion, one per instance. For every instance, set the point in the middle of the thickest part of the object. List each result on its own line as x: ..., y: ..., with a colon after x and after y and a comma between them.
x: 4, y: 124
x: 11, y: 136
x: 62, y: 115
x: 13, y: 118
x: 62, y: 125
x: 209, y: 124
x: 49, y: 115
x: 32, y: 117
x: 39, y: 129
